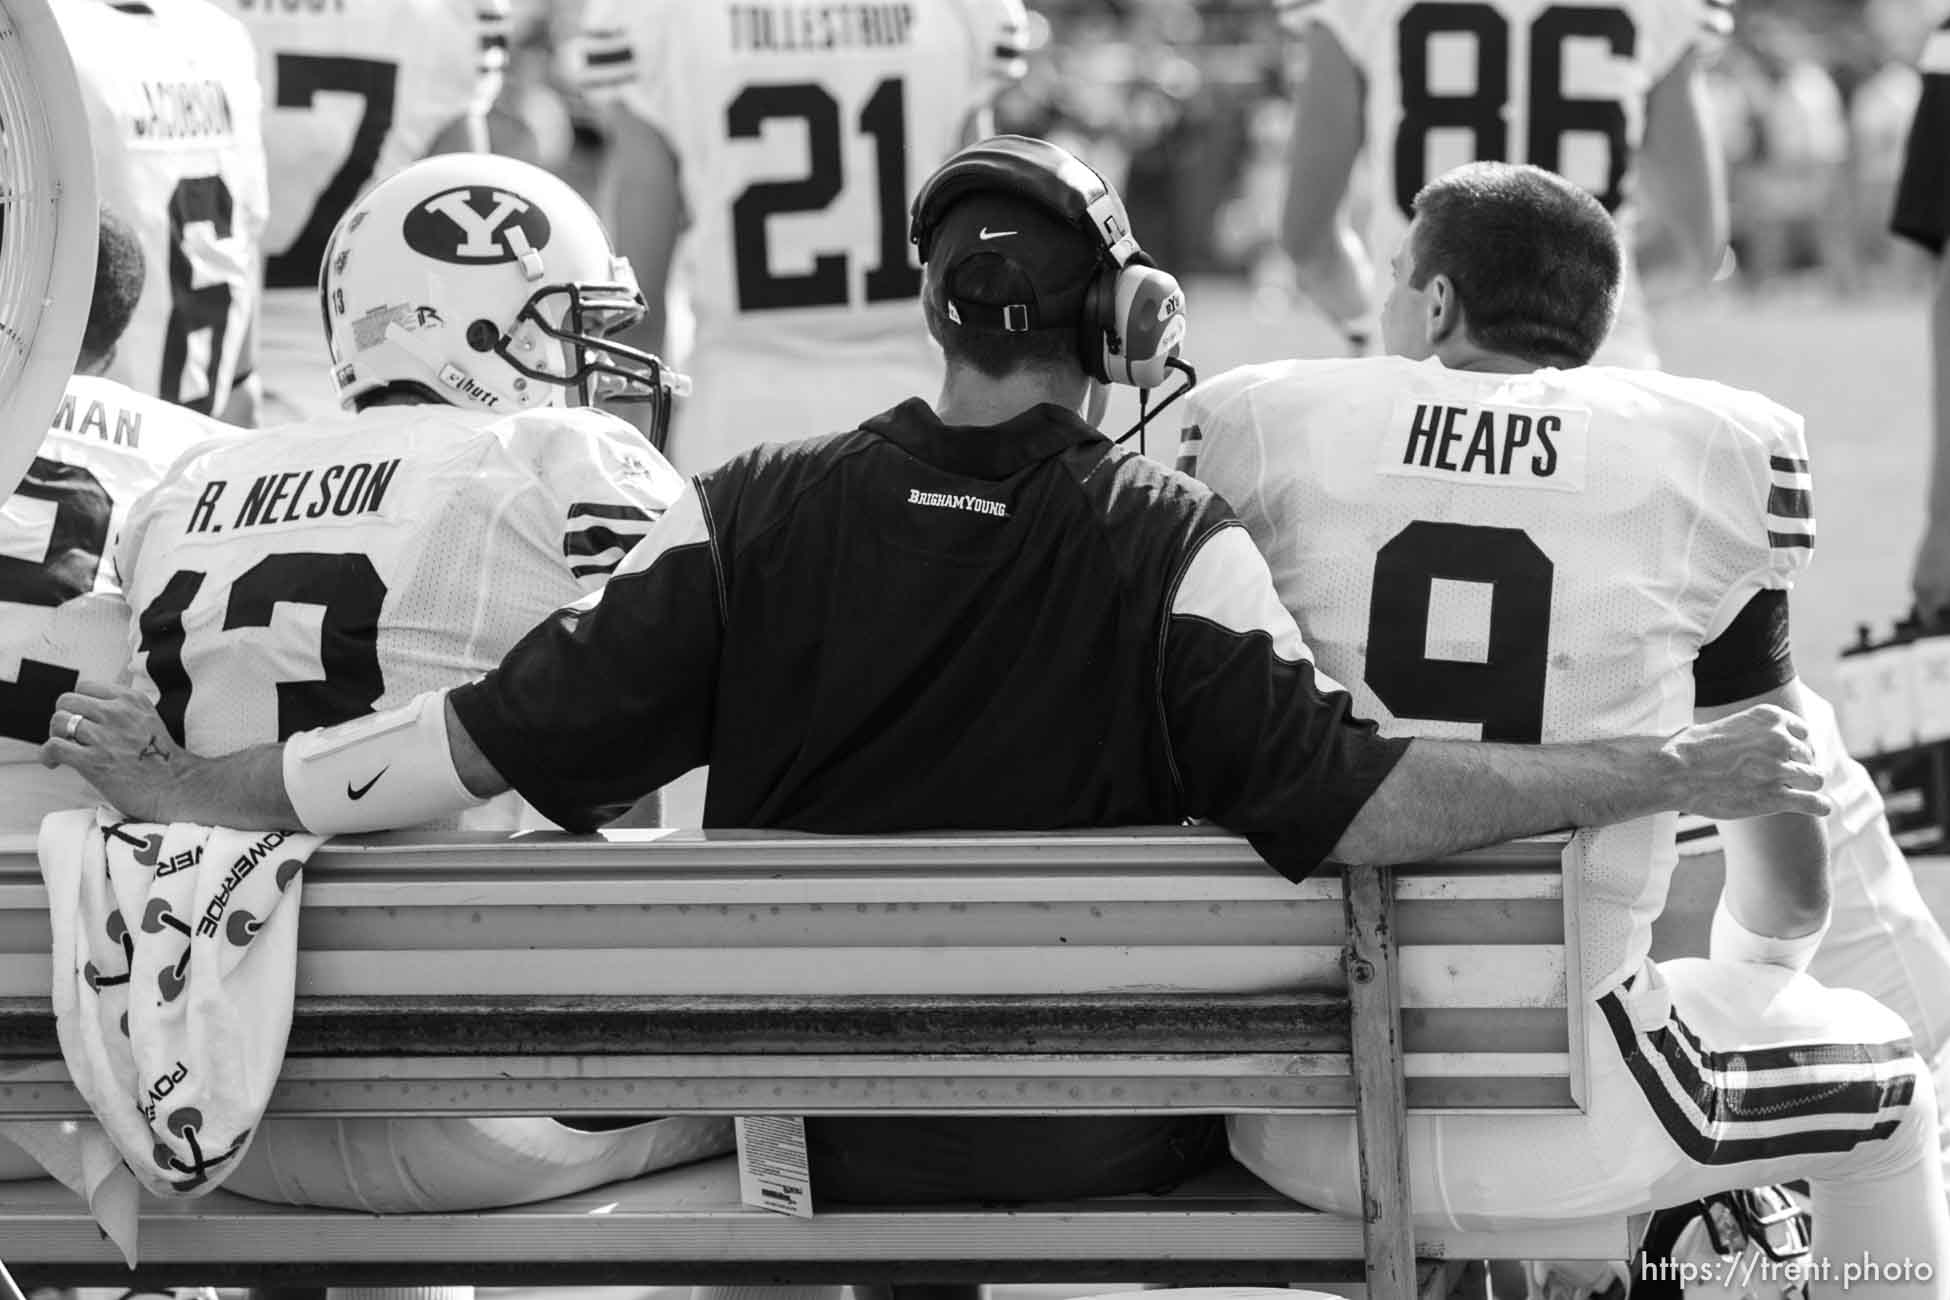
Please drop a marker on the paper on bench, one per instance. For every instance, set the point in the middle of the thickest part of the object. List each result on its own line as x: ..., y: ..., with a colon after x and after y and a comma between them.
x: 773, y: 1172
x: 175, y: 958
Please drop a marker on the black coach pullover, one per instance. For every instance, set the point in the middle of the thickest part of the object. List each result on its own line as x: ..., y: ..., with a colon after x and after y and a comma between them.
x: 915, y: 626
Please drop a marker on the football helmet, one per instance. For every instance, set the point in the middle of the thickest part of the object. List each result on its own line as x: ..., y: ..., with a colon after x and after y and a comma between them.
x: 489, y: 284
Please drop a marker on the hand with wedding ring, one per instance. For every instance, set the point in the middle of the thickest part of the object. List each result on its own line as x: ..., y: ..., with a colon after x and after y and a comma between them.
x: 114, y: 737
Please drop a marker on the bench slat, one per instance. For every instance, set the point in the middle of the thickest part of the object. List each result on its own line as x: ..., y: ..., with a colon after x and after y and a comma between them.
x: 472, y: 1025
x: 747, y: 1085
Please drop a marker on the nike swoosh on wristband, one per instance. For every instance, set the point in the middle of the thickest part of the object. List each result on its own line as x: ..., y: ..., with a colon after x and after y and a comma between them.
x: 359, y: 792
x: 986, y: 233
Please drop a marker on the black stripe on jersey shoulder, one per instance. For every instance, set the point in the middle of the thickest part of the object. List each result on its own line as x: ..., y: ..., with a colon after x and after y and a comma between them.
x: 1789, y: 464
x: 1790, y: 503
x: 1790, y: 539
x: 607, y: 510
x: 1689, y: 834
x: 594, y: 541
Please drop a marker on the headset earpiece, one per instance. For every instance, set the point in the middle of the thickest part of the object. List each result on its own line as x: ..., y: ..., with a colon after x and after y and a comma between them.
x: 1146, y: 325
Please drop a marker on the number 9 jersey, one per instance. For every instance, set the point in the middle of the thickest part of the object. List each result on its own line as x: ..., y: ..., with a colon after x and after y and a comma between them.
x: 1515, y: 557
x: 1558, y: 83
x: 802, y: 133
x: 174, y: 110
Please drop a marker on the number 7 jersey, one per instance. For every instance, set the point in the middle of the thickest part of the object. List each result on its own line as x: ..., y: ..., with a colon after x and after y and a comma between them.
x: 1513, y: 557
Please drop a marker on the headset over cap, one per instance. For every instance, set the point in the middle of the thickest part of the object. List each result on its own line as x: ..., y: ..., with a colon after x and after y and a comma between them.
x: 1064, y: 232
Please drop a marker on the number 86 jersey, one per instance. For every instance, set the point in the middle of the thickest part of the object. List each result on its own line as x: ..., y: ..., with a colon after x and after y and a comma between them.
x: 1561, y: 84
x: 1512, y: 557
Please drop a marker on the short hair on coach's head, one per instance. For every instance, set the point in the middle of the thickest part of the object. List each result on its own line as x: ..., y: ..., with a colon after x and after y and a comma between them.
x: 119, y: 269
x: 1535, y: 260
x: 993, y: 352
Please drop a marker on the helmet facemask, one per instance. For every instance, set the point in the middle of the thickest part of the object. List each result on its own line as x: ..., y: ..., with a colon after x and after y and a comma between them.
x: 581, y: 316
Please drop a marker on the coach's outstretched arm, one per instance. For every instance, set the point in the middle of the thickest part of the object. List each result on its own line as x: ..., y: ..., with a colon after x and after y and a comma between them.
x: 1446, y: 795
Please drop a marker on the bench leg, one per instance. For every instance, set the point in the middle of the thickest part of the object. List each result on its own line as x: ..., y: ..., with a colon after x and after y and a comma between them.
x: 1380, y: 1093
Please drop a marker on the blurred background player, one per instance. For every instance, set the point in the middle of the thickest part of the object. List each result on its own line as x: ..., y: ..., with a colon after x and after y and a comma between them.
x: 1485, y: 537
x: 1922, y: 216
x: 175, y: 109
x: 353, y: 92
x: 785, y: 145
x: 1609, y: 95
x: 60, y: 617
x: 314, y: 573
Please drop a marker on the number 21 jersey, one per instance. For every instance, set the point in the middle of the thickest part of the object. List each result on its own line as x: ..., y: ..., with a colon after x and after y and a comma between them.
x: 1558, y: 83
x: 802, y: 133
x: 1514, y: 557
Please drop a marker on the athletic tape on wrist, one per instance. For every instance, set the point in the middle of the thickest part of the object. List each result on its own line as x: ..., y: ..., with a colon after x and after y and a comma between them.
x: 375, y: 773
x: 1733, y: 941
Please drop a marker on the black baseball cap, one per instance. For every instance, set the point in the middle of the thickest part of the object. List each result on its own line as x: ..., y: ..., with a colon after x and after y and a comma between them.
x: 1004, y: 262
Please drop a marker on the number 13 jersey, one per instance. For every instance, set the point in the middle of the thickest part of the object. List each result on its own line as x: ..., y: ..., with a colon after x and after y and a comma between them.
x: 1514, y: 557
x: 1558, y: 83
x: 299, y: 578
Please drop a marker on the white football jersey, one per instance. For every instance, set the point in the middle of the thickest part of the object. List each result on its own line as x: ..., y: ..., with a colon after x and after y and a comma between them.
x: 1558, y: 83
x: 1515, y: 557
x: 301, y: 576
x: 354, y: 90
x: 174, y: 109
x: 61, y: 614
x: 803, y: 133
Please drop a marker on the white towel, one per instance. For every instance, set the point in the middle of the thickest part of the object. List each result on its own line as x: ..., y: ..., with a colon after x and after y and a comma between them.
x: 175, y: 957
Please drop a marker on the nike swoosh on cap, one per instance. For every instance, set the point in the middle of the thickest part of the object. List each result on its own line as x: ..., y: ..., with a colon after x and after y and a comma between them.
x: 986, y: 233
x: 359, y: 792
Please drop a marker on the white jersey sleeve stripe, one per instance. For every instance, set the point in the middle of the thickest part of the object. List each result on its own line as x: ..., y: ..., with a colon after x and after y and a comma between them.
x: 1294, y: 14
x: 1790, y: 502
x: 494, y: 23
x: 1228, y: 584
x: 1936, y: 52
x: 599, y: 534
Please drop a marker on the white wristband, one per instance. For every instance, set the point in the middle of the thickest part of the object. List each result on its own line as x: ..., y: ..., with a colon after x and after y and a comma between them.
x: 1733, y: 941
x: 374, y: 773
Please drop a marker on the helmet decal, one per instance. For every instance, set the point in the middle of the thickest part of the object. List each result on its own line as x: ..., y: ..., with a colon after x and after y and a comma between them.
x: 471, y: 225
